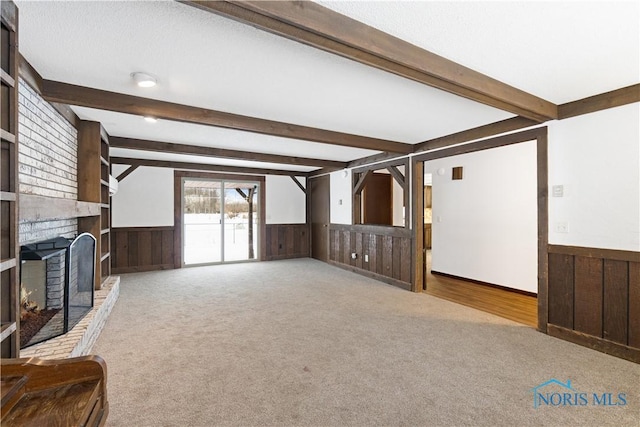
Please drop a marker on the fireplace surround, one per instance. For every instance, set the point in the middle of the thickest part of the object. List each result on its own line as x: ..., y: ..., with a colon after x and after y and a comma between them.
x: 57, y: 286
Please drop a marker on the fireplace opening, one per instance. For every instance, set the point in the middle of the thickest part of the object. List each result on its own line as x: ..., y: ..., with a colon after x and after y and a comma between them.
x: 56, y: 286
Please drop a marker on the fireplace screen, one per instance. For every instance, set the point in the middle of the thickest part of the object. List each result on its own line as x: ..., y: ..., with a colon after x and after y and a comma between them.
x: 56, y: 291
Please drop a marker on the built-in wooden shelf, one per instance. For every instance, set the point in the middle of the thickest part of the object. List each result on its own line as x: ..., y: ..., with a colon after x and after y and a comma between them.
x: 9, y: 195
x: 7, y: 136
x: 6, y: 78
x: 6, y: 329
x: 6, y: 264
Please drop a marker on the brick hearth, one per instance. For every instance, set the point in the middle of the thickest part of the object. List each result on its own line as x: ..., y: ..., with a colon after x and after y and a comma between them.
x: 80, y: 340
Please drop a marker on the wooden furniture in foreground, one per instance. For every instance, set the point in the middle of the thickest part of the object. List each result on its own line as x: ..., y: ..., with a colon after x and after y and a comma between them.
x: 68, y: 392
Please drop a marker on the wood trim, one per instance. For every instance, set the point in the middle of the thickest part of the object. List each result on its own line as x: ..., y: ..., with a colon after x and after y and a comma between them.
x: 397, y: 175
x: 613, y: 254
x: 487, y: 284
x: 125, y: 173
x: 30, y: 75
x: 398, y: 161
x: 595, y: 343
x: 375, y: 158
x: 322, y: 28
x: 357, y: 188
x: 300, y: 186
x: 542, y: 160
x: 373, y: 229
x: 486, y: 144
x: 417, y: 225
x: 603, y: 101
x: 201, y: 167
x: 508, y: 125
x: 141, y: 268
x: 112, y: 101
x: 41, y: 208
x: 169, y: 147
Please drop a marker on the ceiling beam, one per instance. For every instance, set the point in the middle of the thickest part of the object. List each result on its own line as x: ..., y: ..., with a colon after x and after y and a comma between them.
x: 128, y: 171
x: 479, y: 132
x: 314, y: 25
x: 201, y: 167
x: 168, y: 147
x: 100, y: 99
x: 614, y: 98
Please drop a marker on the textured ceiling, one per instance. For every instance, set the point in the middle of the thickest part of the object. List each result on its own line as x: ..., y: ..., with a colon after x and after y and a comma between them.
x: 560, y: 51
x: 208, y: 61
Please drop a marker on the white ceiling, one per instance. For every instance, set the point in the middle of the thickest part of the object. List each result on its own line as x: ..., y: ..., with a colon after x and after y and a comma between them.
x: 560, y: 53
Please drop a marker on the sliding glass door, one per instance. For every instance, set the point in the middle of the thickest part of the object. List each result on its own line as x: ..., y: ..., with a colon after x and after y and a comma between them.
x: 220, y: 221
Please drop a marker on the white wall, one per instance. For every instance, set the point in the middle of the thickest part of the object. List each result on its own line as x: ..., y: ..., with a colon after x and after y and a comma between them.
x: 398, y: 199
x: 340, y: 197
x: 144, y: 198
x: 485, y: 225
x: 596, y: 158
x: 285, y: 202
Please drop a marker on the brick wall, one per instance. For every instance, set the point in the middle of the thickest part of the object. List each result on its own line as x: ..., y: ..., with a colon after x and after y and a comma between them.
x: 47, y: 166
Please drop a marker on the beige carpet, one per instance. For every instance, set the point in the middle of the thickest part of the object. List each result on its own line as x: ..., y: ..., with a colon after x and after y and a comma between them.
x: 302, y: 343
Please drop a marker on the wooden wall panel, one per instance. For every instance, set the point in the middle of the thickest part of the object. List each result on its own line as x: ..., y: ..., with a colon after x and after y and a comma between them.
x: 561, y: 294
x: 616, y: 295
x: 285, y: 241
x: 599, y: 289
x: 388, y: 250
x: 634, y: 304
x: 588, y: 295
x: 142, y: 249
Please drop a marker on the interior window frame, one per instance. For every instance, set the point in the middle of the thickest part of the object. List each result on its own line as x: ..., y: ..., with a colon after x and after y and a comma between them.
x: 359, y: 176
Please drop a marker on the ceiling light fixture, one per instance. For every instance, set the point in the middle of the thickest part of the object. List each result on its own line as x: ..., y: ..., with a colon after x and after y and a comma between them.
x: 144, y: 79
x: 150, y: 119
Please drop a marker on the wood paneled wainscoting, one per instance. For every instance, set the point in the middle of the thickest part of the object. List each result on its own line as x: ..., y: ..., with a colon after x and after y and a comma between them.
x: 142, y: 249
x: 286, y: 241
x: 383, y: 253
x: 594, y: 299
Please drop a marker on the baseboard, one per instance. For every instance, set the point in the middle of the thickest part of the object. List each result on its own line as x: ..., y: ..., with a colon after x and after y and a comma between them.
x: 371, y: 275
x: 281, y: 257
x: 596, y: 343
x: 491, y: 285
x: 141, y: 268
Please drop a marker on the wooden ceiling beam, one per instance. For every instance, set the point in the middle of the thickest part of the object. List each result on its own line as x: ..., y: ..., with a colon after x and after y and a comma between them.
x: 168, y: 147
x: 201, y: 167
x: 614, y: 98
x: 100, y: 99
x: 314, y: 25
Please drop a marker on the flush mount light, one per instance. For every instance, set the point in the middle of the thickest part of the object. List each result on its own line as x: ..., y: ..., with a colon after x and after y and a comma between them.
x: 150, y: 119
x: 144, y: 79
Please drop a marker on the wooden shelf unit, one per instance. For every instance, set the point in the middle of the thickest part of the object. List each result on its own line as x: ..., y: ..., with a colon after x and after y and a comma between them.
x: 93, y: 186
x: 9, y: 191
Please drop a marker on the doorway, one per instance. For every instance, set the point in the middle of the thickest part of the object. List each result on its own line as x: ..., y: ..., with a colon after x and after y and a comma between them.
x: 220, y: 218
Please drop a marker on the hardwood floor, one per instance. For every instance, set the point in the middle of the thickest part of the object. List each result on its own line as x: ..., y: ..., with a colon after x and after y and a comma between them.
x: 511, y: 305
